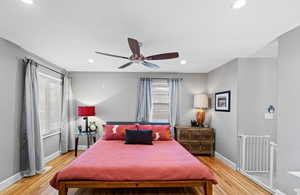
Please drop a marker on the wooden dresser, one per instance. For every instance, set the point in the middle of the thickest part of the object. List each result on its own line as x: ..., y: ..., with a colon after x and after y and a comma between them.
x: 196, y: 140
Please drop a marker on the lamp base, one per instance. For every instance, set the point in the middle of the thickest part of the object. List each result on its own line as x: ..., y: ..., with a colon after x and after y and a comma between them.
x: 200, y: 117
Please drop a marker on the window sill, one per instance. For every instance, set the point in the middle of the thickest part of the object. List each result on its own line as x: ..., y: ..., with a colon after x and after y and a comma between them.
x: 50, y: 134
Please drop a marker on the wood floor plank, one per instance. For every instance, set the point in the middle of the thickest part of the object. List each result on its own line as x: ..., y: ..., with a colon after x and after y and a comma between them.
x: 230, y: 183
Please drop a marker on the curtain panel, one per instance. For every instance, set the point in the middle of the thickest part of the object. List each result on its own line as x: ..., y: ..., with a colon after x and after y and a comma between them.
x: 31, y: 139
x: 144, y: 102
x: 68, y: 117
x: 175, y: 102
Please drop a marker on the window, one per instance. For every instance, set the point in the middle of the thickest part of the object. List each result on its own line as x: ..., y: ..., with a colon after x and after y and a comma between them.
x: 160, y: 100
x: 50, y: 103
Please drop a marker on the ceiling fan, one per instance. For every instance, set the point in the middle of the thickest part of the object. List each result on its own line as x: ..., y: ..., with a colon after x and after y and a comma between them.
x: 137, y: 57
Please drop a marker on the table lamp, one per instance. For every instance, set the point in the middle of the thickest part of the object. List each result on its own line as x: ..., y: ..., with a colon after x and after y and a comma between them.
x: 86, y: 111
x: 200, y: 103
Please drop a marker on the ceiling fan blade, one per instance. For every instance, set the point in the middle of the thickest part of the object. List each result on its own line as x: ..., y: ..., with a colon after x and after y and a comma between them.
x: 125, y: 65
x: 134, y: 46
x: 111, y: 55
x: 150, y: 65
x: 163, y: 56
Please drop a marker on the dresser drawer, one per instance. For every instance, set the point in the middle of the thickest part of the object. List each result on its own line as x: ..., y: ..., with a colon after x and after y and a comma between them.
x: 186, y: 145
x: 206, y: 146
x: 198, y: 148
x: 200, y: 135
x: 201, y: 147
x: 184, y: 135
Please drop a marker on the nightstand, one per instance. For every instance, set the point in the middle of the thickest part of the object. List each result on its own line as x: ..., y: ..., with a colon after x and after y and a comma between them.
x: 197, y: 140
x: 89, y: 135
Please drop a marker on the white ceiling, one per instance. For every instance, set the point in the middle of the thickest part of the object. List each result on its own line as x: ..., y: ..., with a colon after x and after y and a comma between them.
x: 206, y: 33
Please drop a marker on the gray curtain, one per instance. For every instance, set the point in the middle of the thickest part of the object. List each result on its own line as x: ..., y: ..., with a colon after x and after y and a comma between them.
x: 144, y: 100
x: 68, y: 117
x: 175, y: 95
x: 31, y: 144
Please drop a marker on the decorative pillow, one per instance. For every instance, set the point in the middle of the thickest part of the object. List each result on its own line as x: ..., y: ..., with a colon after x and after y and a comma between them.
x: 159, y: 132
x: 116, y: 132
x: 138, y: 137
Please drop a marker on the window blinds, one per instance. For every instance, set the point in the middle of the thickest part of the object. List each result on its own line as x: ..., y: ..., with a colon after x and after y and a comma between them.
x: 50, y: 103
x: 160, y: 100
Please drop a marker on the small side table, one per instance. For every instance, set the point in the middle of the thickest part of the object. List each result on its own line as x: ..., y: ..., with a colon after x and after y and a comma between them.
x: 89, y: 135
x: 197, y: 140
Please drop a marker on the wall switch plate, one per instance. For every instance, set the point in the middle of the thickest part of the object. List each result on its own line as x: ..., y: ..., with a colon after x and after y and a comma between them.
x: 269, y: 116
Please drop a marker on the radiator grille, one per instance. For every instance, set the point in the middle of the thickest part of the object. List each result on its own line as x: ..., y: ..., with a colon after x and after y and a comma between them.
x: 255, y: 153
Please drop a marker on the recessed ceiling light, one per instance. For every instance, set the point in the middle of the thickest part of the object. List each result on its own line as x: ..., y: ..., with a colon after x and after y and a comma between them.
x: 238, y: 4
x: 183, y: 62
x: 91, y: 61
x: 28, y: 1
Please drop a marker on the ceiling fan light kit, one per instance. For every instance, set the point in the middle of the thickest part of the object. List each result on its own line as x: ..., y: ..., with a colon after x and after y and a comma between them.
x: 138, y: 58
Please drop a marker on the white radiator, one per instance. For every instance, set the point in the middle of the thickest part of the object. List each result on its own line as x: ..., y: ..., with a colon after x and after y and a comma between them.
x: 255, y: 153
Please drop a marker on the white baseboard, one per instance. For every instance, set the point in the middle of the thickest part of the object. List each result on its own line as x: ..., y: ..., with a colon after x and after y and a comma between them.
x: 82, y: 147
x: 13, y: 179
x: 9, y: 181
x: 51, y: 157
x: 258, y: 182
x: 226, y: 160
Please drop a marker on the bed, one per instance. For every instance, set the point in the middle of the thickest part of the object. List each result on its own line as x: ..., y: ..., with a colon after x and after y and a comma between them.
x: 113, y: 164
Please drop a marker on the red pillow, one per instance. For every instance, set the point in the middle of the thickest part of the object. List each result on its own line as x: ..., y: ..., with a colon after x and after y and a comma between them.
x: 160, y: 132
x: 116, y: 132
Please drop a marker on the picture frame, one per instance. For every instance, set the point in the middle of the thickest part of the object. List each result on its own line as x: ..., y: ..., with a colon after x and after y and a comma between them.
x: 222, y: 101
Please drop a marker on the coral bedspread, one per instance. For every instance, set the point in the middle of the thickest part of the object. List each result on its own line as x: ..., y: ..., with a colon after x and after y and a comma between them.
x: 116, y: 161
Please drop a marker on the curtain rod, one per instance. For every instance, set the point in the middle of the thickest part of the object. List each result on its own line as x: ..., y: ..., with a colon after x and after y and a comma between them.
x: 51, y: 69
x: 47, y: 67
x: 161, y: 77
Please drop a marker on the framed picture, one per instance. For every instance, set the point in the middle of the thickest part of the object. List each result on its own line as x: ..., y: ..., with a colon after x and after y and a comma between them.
x: 222, y: 101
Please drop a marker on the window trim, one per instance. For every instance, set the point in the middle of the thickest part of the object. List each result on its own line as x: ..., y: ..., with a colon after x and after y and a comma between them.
x: 50, y: 134
x: 50, y: 77
x: 56, y: 131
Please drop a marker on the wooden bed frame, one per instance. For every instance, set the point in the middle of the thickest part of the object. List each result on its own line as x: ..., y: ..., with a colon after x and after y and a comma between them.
x: 64, y: 185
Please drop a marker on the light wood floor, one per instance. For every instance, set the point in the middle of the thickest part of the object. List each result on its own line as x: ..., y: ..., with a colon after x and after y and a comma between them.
x: 230, y: 183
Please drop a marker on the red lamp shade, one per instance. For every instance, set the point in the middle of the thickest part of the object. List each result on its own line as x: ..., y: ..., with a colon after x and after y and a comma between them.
x: 86, y: 111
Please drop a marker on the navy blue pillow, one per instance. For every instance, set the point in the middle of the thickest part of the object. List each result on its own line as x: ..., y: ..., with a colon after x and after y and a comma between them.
x: 138, y: 137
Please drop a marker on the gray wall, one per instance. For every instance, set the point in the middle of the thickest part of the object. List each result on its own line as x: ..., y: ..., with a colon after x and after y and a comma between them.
x: 11, y: 97
x: 225, y: 123
x: 253, y: 86
x: 51, y: 145
x: 288, y: 106
x: 257, y: 89
x: 115, y: 94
